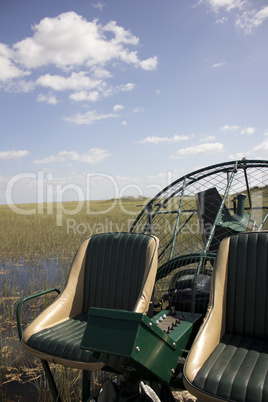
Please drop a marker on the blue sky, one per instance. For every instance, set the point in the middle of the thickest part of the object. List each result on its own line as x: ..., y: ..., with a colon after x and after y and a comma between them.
x: 115, y: 98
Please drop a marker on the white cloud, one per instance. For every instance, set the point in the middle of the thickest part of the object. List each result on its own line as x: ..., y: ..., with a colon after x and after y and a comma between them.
x: 217, y: 65
x: 248, y: 130
x: 70, y: 40
x: 261, y: 16
x: 90, y: 157
x: 124, y: 123
x: 126, y: 87
x: 263, y: 147
x: 118, y: 107
x: 75, y: 81
x: 149, y: 64
x: 247, y: 17
x: 100, y: 72
x: 245, y: 130
x: 255, y: 152
x: 227, y: 5
x: 221, y: 20
x: 169, y: 140
x: 206, y: 138
x: 98, y: 5
x: 91, y: 96
x: 138, y: 109
x: 239, y: 155
x: 109, y: 91
x: 19, y: 85
x: 13, y: 154
x: 8, y: 69
x: 89, y: 117
x: 252, y: 19
x: 82, y: 51
x: 49, y: 98
x: 230, y: 128
x: 207, y: 148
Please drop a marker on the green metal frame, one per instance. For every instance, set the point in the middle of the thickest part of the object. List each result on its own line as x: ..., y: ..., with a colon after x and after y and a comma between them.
x: 177, y: 221
x: 170, y: 249
x: 182, y: 261
x: 49, y: 375
x: 179, y: 187
x: 18, y: 311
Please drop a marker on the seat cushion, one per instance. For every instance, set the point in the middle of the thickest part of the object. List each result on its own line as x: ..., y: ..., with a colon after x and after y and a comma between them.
x: 237, y: 370
x: 63, y: 340
x: 115, y: 270
x: 247, y: 288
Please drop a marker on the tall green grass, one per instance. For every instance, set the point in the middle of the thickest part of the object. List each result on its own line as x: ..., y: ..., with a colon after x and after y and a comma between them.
x: 46, y: 233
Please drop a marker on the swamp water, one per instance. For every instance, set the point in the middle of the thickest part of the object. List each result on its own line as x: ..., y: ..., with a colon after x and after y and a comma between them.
x: 21, y: 375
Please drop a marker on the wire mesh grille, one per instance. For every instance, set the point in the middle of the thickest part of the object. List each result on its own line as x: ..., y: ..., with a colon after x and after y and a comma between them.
x: 191, y: 217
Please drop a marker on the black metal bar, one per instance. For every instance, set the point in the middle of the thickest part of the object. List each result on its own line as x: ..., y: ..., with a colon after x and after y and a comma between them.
x: 86, y: 386
x: 248, y: 190
x: 51, y: 382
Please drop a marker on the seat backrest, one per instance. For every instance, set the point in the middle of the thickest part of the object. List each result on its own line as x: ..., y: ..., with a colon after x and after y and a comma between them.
x: 247, y: 289
x: 120, y: 271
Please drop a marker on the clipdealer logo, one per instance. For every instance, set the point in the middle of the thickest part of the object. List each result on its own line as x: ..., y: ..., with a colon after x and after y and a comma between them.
x: 50, y: 194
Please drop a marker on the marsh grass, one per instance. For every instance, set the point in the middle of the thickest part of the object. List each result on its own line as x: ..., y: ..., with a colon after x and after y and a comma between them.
x: 60, y: 228
x: 36, y: 251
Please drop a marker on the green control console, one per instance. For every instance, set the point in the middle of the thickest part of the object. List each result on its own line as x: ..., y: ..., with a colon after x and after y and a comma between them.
x: 128, y: 340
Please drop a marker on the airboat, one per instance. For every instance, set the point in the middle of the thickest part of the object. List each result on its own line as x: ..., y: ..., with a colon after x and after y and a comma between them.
x: 178, y: 302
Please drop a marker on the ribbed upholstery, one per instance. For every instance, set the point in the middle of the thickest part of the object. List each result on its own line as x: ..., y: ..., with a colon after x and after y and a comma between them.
x: 247, y: 291
x: 237, y: 367
x: 114, y: 270
x: 63, y: 340
x: 237, y: 370
x: 111, y: 270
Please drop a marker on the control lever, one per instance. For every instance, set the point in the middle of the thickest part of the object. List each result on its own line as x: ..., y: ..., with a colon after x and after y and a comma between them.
x: 171, y: 293
x: 172, y: 311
